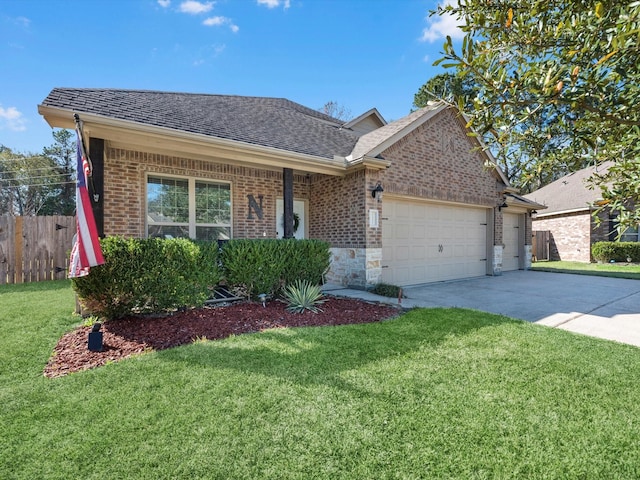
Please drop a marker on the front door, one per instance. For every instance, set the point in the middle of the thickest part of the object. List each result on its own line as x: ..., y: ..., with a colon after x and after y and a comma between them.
x: 298, y: 213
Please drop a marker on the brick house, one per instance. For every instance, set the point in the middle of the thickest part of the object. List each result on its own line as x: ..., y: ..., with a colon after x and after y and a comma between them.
x: 569, y: 219
x: 218, y: 167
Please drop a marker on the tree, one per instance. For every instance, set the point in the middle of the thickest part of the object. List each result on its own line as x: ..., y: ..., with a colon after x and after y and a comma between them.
x: 27, y: 181
x: 63, y: 154
x: 563, y: 77
x: 448, y: 87
x: 526, y: 150
x: 335, y: 110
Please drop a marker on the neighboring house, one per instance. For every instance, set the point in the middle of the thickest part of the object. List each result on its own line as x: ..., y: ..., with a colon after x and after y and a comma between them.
x: 569, y: 218
x: 219, y: 167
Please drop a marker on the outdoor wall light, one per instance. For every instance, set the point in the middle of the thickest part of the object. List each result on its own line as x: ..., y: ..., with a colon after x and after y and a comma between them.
x: 95, y: 338
x: 263, y: 298
x: 377, y: 192
x: 503, y: 205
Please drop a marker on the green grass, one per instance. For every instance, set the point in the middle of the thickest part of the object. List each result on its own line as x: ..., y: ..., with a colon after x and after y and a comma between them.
x: 615, y: 270
x: 442, y: 393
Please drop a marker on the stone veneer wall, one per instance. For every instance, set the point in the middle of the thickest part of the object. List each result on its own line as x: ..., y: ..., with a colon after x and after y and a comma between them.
x: 496, y: 264
x: 355, y: 267
x: 528, y: 255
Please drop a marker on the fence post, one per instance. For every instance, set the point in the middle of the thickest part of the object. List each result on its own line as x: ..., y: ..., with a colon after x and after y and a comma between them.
x: 18, y: 246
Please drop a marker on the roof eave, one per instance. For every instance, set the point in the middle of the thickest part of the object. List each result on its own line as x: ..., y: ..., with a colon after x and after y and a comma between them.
x: 166, y: 140
x: 586, y: 209
x: 368, y: 162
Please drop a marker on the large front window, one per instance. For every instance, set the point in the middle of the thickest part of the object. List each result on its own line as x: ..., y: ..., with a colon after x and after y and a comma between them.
x: 181, y: 207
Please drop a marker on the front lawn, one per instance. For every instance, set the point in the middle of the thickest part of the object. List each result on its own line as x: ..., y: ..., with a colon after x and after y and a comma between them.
x: 616, y: 270
x: 435, y: 393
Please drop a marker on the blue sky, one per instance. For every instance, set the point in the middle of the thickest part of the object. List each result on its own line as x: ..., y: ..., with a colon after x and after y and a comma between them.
x: 359, y: 53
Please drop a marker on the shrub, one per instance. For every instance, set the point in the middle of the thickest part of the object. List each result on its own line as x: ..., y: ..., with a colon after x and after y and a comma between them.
x: 303, y: 295
x: 149, y: 276
x: 387, y: 290
x: 264, y: 266
x: 617, y: 251
x: 156, y: 275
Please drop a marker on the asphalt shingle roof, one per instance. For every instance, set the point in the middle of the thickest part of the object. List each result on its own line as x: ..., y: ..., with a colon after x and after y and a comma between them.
x: 270, y: 122
x: 569, y: 193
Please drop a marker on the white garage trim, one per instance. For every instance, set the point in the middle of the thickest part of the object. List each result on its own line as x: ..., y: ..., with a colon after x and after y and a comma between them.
x: 428, y: 242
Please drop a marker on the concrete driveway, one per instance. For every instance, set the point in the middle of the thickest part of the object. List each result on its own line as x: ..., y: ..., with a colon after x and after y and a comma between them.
x: 597, y: 306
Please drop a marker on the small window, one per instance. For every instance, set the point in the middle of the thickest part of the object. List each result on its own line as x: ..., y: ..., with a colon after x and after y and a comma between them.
x: 188, y: 208
x: 630, y: 234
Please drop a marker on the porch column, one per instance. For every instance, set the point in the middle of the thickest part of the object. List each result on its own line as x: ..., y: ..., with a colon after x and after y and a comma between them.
x: 96, y: 154
x: 287, y: 180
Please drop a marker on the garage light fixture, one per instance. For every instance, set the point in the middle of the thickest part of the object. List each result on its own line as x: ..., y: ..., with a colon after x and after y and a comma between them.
x: 503, y: 205
x: 377, y: 192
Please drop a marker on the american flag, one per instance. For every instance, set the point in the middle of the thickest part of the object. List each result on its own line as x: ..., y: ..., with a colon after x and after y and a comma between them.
x: 86, y: 251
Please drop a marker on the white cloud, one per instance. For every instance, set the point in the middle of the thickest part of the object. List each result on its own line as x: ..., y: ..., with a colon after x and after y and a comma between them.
x: 164, y: 3
x: 12, y: 119
x: 23, y: 21
x: 218, y: 21
x: 275, y: 3
x: 194, y: 8
x: 441, y: 26
x: 215, y: 21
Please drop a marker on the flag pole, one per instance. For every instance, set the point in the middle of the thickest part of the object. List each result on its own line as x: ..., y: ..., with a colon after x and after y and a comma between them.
x: 86, y: 251
x: 89, y: 174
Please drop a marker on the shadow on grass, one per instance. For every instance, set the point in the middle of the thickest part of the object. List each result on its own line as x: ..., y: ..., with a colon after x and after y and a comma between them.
x: 317, y: 355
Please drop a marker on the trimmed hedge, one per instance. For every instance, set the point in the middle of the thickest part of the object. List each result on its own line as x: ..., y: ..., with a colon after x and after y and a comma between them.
x: 266, y: 266
x: 616, y: 251
x: 149, y: 276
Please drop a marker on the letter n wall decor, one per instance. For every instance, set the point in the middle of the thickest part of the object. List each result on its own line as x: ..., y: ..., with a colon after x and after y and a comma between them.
x: 255, y: 207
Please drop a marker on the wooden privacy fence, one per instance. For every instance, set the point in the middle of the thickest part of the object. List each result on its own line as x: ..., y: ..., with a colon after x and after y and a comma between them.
x: 33, y: 249
x: 540, y: 244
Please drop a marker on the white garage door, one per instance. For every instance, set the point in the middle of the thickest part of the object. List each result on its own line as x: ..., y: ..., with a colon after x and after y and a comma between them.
x: 511, y: 240
x: 424, y: 242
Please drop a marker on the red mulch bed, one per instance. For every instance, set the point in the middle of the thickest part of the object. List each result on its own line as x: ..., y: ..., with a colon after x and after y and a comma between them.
x: 133, y: 335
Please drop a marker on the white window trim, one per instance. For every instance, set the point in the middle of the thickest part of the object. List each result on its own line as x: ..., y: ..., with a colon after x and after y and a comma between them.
x: 192, y: 203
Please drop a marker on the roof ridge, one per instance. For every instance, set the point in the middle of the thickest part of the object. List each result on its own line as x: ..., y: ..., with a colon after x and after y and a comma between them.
x: 170, y: 92
x: 284, y: 100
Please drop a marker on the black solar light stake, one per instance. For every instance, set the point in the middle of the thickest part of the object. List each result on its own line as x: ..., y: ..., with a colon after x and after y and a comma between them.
x: 95, y: 338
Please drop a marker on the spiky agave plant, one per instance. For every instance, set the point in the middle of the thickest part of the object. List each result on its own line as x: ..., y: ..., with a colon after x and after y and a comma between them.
x: 303, y: 295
